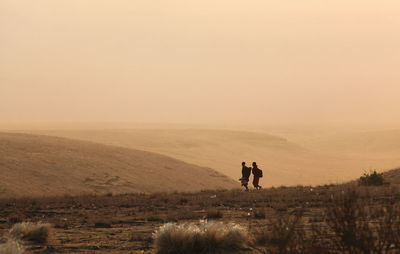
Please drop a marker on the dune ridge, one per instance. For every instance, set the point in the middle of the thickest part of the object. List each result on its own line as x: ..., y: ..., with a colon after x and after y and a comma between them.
x: 43, y: 165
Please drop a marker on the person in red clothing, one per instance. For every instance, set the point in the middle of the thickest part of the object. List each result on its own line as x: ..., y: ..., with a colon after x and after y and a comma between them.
x: 257, y: 174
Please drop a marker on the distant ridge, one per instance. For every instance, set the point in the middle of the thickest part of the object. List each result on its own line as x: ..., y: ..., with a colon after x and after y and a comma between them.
x: 392, y: 176
x: 36, y: 165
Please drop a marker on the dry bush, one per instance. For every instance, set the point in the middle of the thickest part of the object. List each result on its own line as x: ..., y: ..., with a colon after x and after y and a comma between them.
x: 11, y: 247
x: 214, y: 213
x: 372, y: 178
x: 181, y: 214
x: 284, y: 234
x: 207, y: 237
x: 16, y: 218
x: 32, y: 232
x: 259, y: 213
x: 102, y: 223
x: 361, y: 226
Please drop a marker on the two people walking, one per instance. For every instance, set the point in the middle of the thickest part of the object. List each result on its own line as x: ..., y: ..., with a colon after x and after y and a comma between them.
x: 246, y: 172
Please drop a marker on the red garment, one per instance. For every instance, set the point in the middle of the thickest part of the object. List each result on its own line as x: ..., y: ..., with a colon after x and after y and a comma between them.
x: 255, y: 181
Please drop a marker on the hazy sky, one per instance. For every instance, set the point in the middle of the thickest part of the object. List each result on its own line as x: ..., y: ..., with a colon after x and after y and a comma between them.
x: 200, y: 61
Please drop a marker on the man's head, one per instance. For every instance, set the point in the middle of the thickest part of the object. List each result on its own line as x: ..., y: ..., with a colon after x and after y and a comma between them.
x: 243, y: 163
x: 254, y: 164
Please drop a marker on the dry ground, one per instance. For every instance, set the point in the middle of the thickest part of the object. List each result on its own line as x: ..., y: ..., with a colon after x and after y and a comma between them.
x: 125, y: 223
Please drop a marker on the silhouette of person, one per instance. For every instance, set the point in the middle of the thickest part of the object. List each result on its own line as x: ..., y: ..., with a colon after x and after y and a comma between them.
x: 246, y: 171
x: 257, y: 173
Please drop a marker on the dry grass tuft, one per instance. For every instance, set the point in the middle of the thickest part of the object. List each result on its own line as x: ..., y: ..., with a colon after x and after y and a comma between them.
x: 283, y: 235
x: 32, y: 232
x: 206, y: 237
x: 214, y: 214
x: 11, y: 247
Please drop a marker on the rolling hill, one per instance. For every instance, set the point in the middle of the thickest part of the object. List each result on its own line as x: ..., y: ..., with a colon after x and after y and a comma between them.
x: 392, y: 176
x: 283, y: 162
x: 42, y: 165
x: 383, y: 143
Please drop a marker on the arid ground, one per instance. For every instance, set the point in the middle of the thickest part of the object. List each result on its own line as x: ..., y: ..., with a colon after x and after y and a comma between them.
x: 126, y: 223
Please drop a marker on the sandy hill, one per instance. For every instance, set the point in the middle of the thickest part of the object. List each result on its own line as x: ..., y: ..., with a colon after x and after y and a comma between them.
x: 41, y: 165
x: 377, y: 149
x: 392, y: 176
x: 382, y: 143
x: 283, y: 162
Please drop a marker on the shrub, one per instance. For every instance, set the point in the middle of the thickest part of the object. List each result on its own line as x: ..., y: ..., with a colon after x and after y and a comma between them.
x: 207, y: 237
x: 11, y: 247
x: 284, y: 234
x: 102, y: 224
x: 214, y: 214
x: 359, y: 226
x: 371, y: 179
x: 16, y: 218
x: 29, y: 231
x: 259, y: 214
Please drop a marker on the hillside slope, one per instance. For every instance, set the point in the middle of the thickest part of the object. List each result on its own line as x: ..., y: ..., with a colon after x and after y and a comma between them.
x: 384, y: 143
x: 283, y: 162
x: 392, y: 176
x: 42, y: 165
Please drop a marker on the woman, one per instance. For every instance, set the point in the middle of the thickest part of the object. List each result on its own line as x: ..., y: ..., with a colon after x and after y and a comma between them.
x: 257, y: 174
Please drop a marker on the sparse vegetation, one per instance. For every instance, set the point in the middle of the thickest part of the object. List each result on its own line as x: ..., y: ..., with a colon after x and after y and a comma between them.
x: 16, y: 218
x: 259, y: 213
x: 206, y: 237
x: 302, y: 219
x: 372, y: 179
x: 282, y: 234
x: 361, y: 226
x: 214, y: 213
x: 11, y: 247
x: 32, y: 232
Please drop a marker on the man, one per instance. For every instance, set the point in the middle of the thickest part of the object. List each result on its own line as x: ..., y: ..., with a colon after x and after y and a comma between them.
x: 257, y: 174
x: 246, y: 171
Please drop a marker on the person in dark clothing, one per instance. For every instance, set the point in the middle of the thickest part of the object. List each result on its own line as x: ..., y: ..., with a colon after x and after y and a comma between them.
x: 246, y: 171
x: 257, y: 174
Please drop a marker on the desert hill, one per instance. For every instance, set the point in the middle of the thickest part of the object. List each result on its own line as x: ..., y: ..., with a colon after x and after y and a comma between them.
x: 376, y: 149
x: 392, y: 176
x: 41, y: 165
x: 384, y: 143
x: 283, y: 162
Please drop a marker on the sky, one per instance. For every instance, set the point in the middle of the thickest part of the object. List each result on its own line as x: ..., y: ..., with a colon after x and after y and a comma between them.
x: 209, y: 61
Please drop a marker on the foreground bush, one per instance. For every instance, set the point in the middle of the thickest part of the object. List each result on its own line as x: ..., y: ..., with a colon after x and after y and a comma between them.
x: 32, y: 232
x: 359, y: 226
x: 284, y: 234
x: 207, y: 237
x: 11, y: 247
x: 352, y: 223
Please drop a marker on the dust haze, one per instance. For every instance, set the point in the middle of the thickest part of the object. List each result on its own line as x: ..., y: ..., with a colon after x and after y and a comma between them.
x: 200, y: 62
x: 309, y: 89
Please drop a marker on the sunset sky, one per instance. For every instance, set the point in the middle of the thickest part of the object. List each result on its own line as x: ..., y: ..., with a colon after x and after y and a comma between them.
x: 208, y: 61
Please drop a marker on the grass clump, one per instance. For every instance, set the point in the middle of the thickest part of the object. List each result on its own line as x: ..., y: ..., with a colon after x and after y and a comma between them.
x: 206, y: 237
x: 259, y: 214
x: 284, y: 235
x: 214, y: 214
x: 11, y: 247
x: 372, y: 179
x: 37, y: 233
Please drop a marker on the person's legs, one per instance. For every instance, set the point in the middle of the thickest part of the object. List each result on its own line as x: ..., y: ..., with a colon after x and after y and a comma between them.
x: 255, y: 182
x: 245, y: 183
